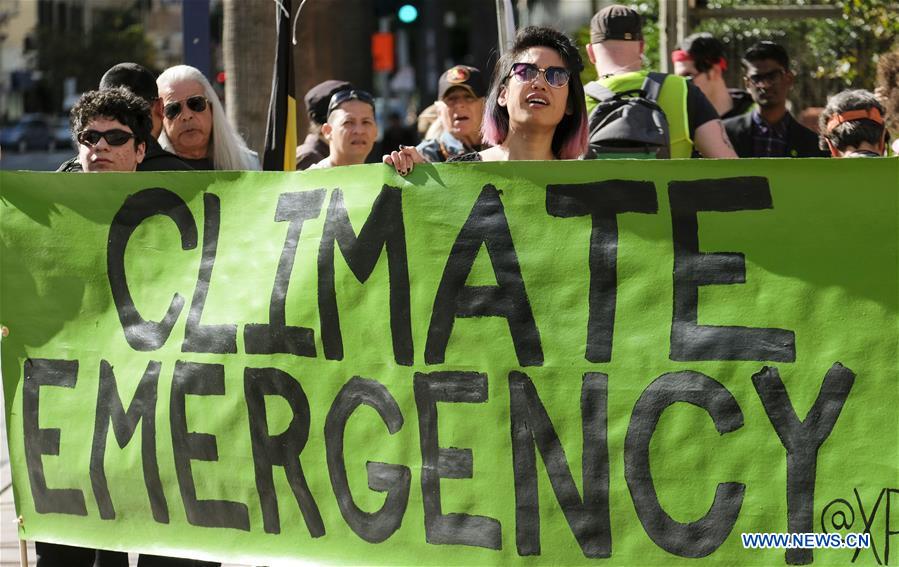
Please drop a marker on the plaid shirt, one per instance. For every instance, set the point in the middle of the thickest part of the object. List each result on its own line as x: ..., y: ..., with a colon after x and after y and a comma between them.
x: 769, y: 140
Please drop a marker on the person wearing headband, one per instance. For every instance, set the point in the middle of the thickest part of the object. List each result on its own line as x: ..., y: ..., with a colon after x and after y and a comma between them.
x: 700, y: 58
x: 616, y: 50
x: 350, y: 128
x: 770, y: 130
x: 852, y: 125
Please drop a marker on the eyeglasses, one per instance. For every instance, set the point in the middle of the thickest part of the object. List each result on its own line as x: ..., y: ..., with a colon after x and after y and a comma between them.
x: 196, y: 103
x: 341, y: 97
x: 769, y: 77
x: 556, y: 77
x: 113, y: 137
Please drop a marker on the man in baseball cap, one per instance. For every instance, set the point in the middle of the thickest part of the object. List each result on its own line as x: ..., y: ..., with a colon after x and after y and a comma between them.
x: 460, y: 109
x: 616, y: 50
x: 315, y: 148
x: 350, y: 130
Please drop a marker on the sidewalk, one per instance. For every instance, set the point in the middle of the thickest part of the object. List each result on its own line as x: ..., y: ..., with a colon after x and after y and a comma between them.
x: 9, y: 540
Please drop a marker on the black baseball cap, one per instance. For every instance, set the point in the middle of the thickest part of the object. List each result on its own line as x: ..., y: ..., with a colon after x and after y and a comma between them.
x: 345, y: 95
x: 616, y: 22
x: 469, y: 78
x: 136, y: 78
x: 318, y: 97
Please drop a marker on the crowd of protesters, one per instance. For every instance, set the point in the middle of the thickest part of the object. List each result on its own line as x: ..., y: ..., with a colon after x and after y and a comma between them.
x: 534, y: 108
x: 703, y: 117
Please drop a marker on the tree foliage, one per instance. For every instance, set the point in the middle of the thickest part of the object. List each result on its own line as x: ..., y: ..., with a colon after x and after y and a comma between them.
x: 829, y: 54
x: 116, y: 35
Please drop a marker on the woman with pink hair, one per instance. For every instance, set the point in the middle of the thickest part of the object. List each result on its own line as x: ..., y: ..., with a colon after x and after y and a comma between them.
x: 535, y: 109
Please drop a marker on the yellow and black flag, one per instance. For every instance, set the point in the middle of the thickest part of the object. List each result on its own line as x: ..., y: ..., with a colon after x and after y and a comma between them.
x: 281, y: 132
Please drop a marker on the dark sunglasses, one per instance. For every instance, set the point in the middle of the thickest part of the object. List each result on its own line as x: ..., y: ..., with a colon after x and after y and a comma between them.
x: 769, y: 77
x: 113, y: 137
x: 196, y: 103
x: 341, y: 97
x: 556, y: 77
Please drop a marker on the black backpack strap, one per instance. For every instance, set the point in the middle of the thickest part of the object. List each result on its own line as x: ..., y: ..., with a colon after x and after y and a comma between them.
x: 652, y: 86
x: 599, y: 92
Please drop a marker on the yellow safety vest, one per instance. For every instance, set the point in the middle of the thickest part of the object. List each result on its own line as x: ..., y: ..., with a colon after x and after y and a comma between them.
x: 672, y: 100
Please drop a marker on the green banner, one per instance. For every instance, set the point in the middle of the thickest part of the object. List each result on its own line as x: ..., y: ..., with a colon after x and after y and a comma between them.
x: 504, y: 363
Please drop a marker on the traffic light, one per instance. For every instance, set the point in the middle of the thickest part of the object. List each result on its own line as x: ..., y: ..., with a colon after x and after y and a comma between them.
x: 403, y: 11
x: 407, y: 13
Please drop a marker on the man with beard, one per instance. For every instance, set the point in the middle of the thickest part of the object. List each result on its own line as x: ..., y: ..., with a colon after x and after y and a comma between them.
x: 770, y: 130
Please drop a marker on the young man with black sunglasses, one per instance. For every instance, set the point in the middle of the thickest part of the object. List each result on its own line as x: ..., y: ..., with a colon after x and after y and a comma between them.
x: 770, y: 130
x: 112, y: 127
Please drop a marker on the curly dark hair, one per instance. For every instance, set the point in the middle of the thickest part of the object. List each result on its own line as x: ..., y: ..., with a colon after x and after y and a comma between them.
x: 116, y: 104
x: 570, y: 137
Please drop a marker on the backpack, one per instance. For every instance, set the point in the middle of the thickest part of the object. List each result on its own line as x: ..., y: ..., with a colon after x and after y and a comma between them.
x: 630, y: 122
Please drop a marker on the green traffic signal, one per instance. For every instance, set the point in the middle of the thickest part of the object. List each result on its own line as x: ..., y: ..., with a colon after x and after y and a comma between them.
x: 407, y: 13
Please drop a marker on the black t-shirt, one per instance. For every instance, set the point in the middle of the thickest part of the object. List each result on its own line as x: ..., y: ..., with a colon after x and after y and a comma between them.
x: 202, y: 164
x: 699, y: 109
x: 742, y: 103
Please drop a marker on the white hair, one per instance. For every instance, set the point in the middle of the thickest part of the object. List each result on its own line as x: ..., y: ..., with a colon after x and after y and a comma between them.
x: 226, y: 148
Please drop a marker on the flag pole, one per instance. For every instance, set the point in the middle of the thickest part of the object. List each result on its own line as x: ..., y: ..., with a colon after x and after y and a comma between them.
x: 281, y: 130
x: 505, y: 24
